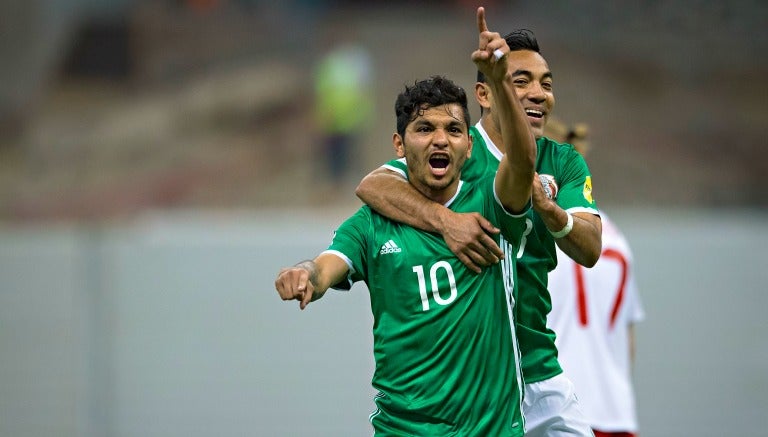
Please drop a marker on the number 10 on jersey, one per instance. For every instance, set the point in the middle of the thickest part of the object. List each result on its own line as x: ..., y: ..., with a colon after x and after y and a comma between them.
x: 433, y: 272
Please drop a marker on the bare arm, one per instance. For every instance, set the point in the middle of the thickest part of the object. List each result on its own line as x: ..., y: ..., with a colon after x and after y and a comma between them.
x: 516, y: 169
x: 584, y: 243
x: 308, y: 281
x: 392, y: 196
x: 466, y: 234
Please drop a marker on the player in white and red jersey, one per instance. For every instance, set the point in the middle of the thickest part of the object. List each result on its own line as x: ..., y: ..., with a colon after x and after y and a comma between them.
x: 593, y: 314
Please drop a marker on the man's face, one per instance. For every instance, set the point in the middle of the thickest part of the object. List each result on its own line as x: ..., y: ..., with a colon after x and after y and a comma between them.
x: 435, y: 146
x: 533, y: 84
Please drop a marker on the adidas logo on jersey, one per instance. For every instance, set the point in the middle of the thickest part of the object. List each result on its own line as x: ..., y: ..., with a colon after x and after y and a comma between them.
x: 389, y: 247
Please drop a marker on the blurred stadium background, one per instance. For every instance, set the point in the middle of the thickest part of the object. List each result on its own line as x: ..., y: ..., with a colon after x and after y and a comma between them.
x: 159, y: 164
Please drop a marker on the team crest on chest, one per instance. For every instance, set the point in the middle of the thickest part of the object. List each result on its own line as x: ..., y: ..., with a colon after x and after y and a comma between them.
x: 549, y: 185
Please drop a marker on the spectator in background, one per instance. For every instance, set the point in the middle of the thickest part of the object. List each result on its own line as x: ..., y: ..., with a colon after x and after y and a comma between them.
x: 343, y: 105
x: 593, y: 314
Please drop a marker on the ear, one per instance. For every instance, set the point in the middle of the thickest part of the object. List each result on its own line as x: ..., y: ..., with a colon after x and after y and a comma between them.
x: 483, y: 96
x: 397, y: 143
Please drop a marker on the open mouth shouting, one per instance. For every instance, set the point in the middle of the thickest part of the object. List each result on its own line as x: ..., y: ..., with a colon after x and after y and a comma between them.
x: 438, y: 163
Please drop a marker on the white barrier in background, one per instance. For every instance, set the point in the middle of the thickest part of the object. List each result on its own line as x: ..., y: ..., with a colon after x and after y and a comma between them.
x: 170, y: 326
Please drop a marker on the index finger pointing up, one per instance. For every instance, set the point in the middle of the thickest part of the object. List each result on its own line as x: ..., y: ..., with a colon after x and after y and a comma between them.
x: 481, y: 26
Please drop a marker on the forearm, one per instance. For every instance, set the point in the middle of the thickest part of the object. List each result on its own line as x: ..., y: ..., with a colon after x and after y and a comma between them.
x: 307, y: 281
x: 519, y: 143
x: 513, y: 184
x: 393, y: 197
x: 583, y: 243
x: 324, y: 271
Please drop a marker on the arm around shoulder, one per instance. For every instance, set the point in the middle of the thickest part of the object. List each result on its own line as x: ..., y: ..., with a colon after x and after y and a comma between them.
x: 467, y: 234
x: 392, y: 196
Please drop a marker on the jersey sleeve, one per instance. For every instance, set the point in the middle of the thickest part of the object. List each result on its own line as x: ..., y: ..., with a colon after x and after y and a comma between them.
x: 349, y: 243
x: 511, y: 225
x: 398, y: 166
x: 575, y: 191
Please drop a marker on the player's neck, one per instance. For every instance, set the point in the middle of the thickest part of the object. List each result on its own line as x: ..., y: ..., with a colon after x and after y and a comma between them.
x: 443, y: 195
x: 491, y: 129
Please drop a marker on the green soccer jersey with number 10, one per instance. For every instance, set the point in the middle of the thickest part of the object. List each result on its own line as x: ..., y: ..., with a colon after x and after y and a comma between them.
x: 537, y: 257
x: 445, y: 347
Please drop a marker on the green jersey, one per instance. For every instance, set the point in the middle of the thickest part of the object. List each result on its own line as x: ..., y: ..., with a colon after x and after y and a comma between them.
x: 537, y: 257
x: 445, y: 347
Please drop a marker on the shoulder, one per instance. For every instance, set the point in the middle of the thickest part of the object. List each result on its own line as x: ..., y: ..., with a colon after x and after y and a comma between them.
x: 471, y: 195
x: 475, y: 134
x: 364, y: 215
x: 548, y: 145
x: 480, y: 186
x: 479, y: 146
x: 399, y: 166
x: 560, y: 160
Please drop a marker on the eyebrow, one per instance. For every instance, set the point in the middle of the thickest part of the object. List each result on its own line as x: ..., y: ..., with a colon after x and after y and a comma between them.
x: 547, y: 75
x: 453, y: 123
x: 421, y: 120
x: 457, y: 124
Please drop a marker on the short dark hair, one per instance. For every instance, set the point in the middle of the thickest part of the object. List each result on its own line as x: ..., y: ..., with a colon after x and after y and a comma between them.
x: 520, y: 39
x: 425, y: 94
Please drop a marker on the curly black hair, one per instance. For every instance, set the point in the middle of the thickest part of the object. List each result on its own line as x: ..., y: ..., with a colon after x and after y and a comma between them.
x: 425, y: 94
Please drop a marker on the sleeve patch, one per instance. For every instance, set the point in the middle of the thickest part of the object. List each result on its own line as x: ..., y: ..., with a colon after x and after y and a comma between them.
x: 588, y: 189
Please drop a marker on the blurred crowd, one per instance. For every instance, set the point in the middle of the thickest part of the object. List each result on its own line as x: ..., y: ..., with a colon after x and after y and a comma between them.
x: 111, y: 108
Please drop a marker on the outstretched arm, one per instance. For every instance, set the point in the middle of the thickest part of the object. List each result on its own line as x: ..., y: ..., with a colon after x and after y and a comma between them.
x: 392, y: 196
x: 308, y: 281
x: 516, y: 169
x: 583, y: 243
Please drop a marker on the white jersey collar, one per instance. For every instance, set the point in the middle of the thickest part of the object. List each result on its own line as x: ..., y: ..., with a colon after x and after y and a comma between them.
x: 455, y: 195
x: 488, y: 143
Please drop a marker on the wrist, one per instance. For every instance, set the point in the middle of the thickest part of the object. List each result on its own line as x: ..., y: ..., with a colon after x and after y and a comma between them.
x: 311, y: 268
x: 566, y: 229
x: 438, y: 217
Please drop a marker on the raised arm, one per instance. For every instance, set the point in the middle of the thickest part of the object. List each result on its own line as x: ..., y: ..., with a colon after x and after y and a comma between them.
x: 516, y: 169
x: 308, y: 281
x: 389, y: 194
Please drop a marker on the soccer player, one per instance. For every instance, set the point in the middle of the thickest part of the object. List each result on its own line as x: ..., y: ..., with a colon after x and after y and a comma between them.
x: 593, y: 314
x: 564, y: 213
x: 444, y: 336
